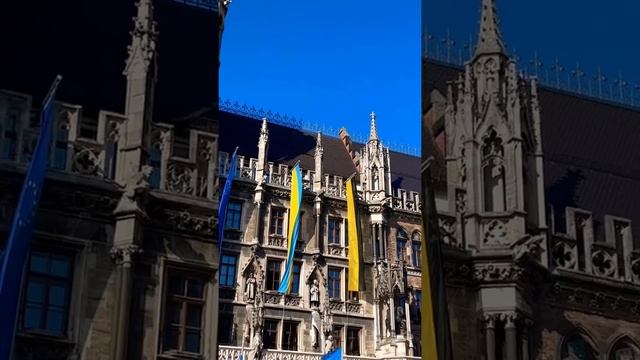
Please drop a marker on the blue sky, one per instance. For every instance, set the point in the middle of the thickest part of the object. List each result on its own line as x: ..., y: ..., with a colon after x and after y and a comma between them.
x: 329, y: 63
x: 592, y: 33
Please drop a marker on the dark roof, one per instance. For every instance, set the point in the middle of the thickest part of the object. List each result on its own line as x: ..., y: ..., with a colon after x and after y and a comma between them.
x: 287, y: 145
x: 591, y: 157
x: 86, y: 41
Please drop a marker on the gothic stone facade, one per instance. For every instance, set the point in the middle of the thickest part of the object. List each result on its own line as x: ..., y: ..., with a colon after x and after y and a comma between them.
x: 538, y: 204
x: 319, y: 314
x: 123, y: 261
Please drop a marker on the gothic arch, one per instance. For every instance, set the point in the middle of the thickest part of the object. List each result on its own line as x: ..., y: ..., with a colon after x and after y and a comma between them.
x: 623, y: 342
x: 578, y: 340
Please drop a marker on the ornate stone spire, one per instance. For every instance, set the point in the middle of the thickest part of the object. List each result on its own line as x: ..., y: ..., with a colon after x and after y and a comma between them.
x: 319, y: 149
x: 489, y: 38
x: 373, y: 133
x: 318, y: 170
x: 143, y: 38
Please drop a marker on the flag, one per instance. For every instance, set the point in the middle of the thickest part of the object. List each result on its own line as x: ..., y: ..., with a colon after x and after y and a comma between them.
x: 16, y: 253
x: 435, y: 329
x: 353, y: 225
x: 224, y: 201
x: 333, y: 355
x: 295, y: 204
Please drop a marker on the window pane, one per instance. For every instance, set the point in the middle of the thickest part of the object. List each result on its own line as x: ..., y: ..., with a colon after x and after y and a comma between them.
x: 60, y: 266
x: 228, y: 270
x: 32, y: 317
x: 56, y: 321
x: 173, y: 313
x: 290, y: 336
x: 195, y: 288
x: 35, y: 292
x: 353, y: 341
x: 171, y: 338
x: 57, y: 296
x: 176, y: 285
x: 334, y: 283
x: 270, y: 333
x: 39, y: 263
x: 295, y: 286
x: 273, y: 274
x: 194, y: 315
x: 192, y: 341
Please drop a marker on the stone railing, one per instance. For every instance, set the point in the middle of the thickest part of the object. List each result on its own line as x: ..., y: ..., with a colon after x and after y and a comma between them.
x: 351, y: 307
x: 406, y: 200
x: 577, y: 249
x: 275, y: 298
x: 564, y: 252
x: 337, y: 250
x: 277, y: 241
x: 233, y: 353
x: 604, y: 260
x: 190, y: 173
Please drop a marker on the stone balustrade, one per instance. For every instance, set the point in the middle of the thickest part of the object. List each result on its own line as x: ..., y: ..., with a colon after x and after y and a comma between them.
x: 576, y: 249
x: 234, y: 352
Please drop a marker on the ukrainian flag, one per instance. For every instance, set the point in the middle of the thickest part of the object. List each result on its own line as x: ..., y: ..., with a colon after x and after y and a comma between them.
x: 353, y: 222
x: 435, y: 329
x: 295, y: 204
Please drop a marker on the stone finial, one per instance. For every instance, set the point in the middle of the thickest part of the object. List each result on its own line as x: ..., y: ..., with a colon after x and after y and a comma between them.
x: 143, y: 37
x: 319, y: 149
x: 373, y: 132
x: 264, y: 132
x: 489, y: 38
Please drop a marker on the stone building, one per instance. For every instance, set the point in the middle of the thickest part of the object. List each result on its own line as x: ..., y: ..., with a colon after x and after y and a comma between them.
x: 123, y: 262
x: 319, y: 314
x: 537, y: 191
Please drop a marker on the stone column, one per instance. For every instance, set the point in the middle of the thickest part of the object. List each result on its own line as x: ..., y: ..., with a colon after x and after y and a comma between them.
x: 490, y: 336
x: 123, y: 257
x: 511, y: 338
x: 525, y: 340
x: 376, y: 321
x: 392, y: 315
x: 407, y: 316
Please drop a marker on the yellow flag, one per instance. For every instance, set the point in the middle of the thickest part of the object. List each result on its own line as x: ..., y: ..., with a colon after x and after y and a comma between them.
x: 354, y: 237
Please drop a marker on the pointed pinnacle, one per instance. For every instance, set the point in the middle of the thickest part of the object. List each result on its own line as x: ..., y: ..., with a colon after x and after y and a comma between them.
x: 373, y: 133
x: 489, y: 38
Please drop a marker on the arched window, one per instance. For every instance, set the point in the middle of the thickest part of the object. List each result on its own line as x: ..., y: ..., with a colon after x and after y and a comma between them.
x: 493, y: 173
x: 401, y: 244
x: 576, y: 347
x: 416, y: 247
x: 625, y: 349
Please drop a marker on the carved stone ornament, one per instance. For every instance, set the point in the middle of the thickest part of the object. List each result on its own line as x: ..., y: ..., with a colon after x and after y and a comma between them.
x: 124, y: 254
x: 184, y: 220
x: 133, y: 189
x: 489, y: 272
x: 495, y: 234
x: 529, y: 247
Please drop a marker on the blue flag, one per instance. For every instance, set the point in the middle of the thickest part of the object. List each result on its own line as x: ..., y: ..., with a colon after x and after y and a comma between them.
x: 224, y: 201
x: 333, y: 355
x: 17, y: 248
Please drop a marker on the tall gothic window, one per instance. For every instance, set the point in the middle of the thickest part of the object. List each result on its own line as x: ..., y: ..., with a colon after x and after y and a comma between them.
x: 155, y: 161
x: 333, y: 231
x: 334, y: 283
x: 234, y: 212
x: 47, y: 294
x: 353, y: 341
x: 401, y: 244
x: 295, y: 283
x: 270, y: 334
x: 290, y: 335
x: 276, y: 225
x: 337, y: 336
x: 10, y: 135
x: 493, y: 173
x: 228, y: 266
x: 184, y: 308
x: 273, y: 274
x: 577, y: 348
x: 61, y: 147
x: 416, y: 246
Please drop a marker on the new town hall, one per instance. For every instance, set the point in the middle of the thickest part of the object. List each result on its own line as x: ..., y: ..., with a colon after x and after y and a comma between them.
x: 538, y: 206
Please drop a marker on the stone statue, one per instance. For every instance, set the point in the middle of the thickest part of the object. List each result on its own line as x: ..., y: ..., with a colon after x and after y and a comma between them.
x: 315, y: 328
x: 314, y: 294
x: 256, y: 345
x: 399, y: 317
x: 387, y: 321
x: 250, y: 288
x: 329, y: 344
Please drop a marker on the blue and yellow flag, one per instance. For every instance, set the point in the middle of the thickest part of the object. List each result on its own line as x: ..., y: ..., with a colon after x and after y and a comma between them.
x: 224, y: 201
x: 294, y: 228
x: 16, y: 254
x: 353, y: 225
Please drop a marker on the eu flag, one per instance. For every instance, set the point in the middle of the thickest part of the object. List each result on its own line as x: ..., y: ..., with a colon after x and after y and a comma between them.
x: 224, y: 201
x: 17, y: 247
